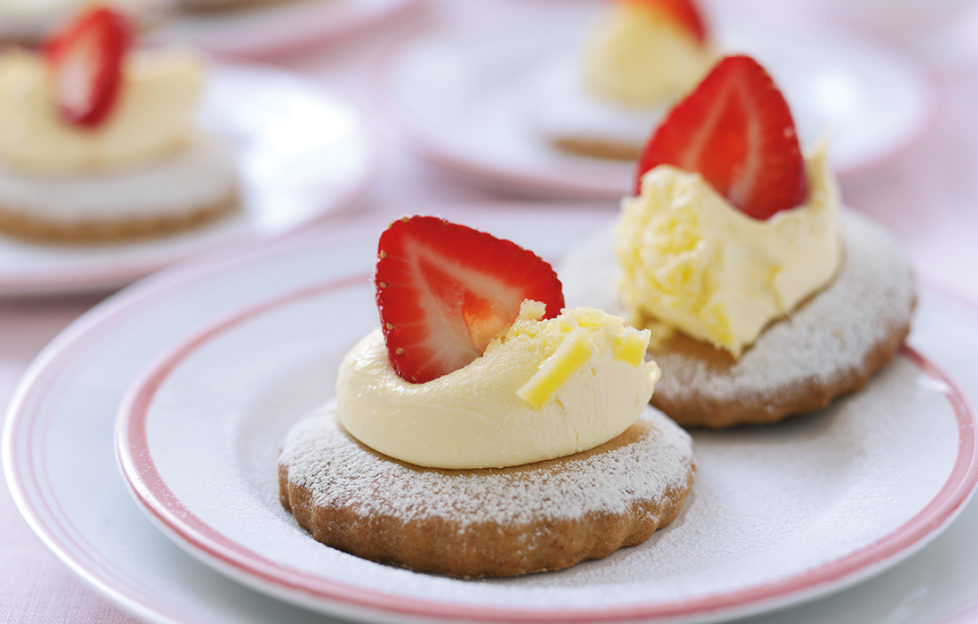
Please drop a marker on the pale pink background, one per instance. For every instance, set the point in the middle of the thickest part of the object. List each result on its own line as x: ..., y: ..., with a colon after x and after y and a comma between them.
x: 927, y: 195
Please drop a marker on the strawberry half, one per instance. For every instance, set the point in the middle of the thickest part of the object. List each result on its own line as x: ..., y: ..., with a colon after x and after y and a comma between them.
x: 683, y: 12
x: 86, y: 59
x: 444, y: 290
x: 736, y: 130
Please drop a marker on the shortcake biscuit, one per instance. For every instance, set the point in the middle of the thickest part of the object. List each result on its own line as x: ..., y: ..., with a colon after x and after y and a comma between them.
x: 485, y: 522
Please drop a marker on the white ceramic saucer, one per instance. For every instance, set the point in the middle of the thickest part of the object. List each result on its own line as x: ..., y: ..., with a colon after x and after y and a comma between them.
x: 301, y: 154
x: 470, y: 100
x: 275, y: 28
x: 777, y: 514
x: 29, y: 23
x: 58, y: 448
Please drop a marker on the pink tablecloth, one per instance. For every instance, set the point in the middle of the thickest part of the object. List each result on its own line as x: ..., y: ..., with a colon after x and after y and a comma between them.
x: 928, y: 196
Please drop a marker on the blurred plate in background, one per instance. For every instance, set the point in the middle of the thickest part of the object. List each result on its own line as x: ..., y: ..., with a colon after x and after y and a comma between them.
x: 470, y: 100
x: 275, y: 27
x: 301, y: 154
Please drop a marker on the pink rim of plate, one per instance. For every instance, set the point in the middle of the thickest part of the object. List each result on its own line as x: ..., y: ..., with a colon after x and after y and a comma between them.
x: 110, y: 274
x: 967, y: 612
x: 30, y: 485
x: 152, y: 493
x: 46, y: 517
x: 559, y: 184
x: 304, y: 31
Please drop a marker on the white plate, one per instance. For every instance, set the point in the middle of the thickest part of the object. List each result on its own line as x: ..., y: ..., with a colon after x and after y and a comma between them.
x: 468, y: 100
x: 278, y: 27
x: 300, y: 152
x: 58, y: 441
x: 777, y: 514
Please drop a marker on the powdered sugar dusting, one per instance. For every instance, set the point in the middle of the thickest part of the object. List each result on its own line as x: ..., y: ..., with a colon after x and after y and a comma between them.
x: 774, y: 504
x: 338, y: 471
x: 828, y: 336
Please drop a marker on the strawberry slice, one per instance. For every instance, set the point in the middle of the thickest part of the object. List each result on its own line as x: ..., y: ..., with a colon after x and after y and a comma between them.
x: 683, y: 12
x: 445, y: 290
x: 86, y: 59
x: 736, y: 130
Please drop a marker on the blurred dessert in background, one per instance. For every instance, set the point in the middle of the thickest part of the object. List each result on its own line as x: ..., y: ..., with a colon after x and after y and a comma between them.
x: 640, y: 57
x: 645, y: 53
x: 28, y: 22
x: 100, y: 141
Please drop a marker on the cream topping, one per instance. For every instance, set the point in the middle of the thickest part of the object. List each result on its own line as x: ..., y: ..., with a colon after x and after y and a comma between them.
x: 152, y: 119
x: 637, y: 56
x: 545, y: 389
x: 692, y: 261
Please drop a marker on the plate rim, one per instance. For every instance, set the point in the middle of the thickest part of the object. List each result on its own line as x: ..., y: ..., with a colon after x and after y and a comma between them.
x: 108, y: 275
x: 151, y: 493
x: 430, y: 147
x: 348, y: 28
x: 137, y: 601
x: 413, y: 136
x: 78, y: 334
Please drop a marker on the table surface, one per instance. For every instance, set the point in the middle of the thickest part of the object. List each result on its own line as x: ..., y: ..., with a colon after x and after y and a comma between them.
x: 927, y: 195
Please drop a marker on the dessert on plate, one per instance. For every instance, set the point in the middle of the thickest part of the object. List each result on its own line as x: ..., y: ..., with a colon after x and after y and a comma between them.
x: 641, y: 56
x: 100, y: 141
x: 30, y: 21
x: 765, y: 298
x: 482, y: 430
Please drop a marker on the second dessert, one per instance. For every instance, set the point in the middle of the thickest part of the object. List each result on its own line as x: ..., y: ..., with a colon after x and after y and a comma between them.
x: 768, y: 298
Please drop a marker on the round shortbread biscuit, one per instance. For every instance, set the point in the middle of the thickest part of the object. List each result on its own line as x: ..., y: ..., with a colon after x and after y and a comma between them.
x: 827, y: 347
x: 593, y: 147
x: 488, y: 522
x: 193, y: 186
